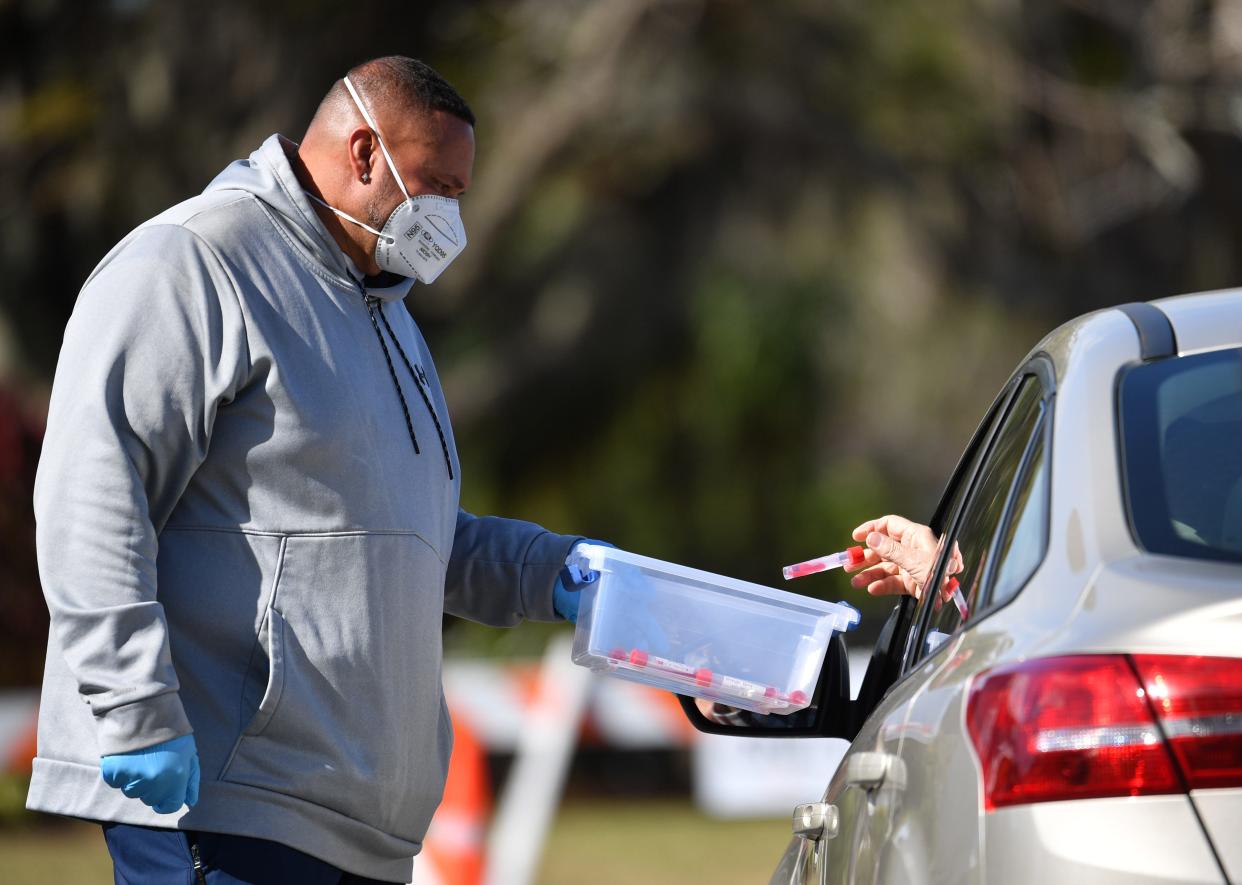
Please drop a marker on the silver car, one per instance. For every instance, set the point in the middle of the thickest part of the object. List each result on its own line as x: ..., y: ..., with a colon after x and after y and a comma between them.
x: 1074, y: 713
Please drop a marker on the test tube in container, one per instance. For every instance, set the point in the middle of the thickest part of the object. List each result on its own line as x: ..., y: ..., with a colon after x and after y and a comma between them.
x: 744, y: 688
x: 700, y: 675
x: 729, y: 686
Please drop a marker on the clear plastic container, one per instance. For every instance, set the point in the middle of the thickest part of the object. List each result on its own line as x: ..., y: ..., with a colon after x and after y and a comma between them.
x: 700, y: 634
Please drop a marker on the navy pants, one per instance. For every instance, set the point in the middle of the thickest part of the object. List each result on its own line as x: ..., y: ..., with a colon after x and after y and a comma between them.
x: 153, y: 856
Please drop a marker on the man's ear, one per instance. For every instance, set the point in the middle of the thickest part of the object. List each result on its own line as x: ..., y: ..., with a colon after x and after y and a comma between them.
x: 362, y: 149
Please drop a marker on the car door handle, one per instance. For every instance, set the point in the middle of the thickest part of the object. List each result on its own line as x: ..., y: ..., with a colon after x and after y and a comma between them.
x: 815, y: 821
x: 813, y: 824
x: 872, y: 770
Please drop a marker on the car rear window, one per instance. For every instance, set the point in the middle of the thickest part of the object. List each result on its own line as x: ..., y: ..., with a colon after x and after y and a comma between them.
x: 1181, y: 433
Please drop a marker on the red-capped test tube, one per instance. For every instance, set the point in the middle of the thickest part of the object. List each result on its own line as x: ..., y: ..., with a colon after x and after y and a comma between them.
x: 772, y: 699
x: 700, y: 675
x: 955, y: 593
x: 705, y: 678
x: 852, y: 556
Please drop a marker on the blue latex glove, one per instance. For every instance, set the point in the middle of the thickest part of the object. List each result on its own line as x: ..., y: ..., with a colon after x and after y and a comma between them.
x: 569, y: 582
x: 164, y: 776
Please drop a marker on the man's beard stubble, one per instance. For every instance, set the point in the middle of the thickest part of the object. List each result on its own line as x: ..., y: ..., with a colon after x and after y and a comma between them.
x: 375, y: 218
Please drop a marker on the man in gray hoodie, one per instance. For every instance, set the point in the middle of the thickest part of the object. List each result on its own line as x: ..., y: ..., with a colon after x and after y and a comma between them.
x: 248, y: 520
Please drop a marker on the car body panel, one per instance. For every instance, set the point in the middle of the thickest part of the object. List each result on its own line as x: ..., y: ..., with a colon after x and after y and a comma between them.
x: 1124, y: 841
x: 944, y: 822
x: 1155, y: 605
x: 867, y: 815
x: 1221, y: 813
x: 1088, y: 520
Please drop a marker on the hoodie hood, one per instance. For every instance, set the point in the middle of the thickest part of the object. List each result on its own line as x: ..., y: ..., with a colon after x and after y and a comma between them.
x: 268, y: 175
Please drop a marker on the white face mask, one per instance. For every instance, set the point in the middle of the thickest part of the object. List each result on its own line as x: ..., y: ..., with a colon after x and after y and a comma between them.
x: 422, y: 235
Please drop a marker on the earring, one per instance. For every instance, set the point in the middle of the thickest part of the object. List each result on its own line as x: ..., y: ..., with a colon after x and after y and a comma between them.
x: 366, y: 177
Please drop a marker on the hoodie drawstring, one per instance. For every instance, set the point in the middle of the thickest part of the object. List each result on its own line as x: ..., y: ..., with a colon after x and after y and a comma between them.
x: 420, y: 380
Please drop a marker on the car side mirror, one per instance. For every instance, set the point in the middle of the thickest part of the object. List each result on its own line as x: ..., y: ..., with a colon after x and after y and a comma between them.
x: 828, y: 715
x: 884, y: 666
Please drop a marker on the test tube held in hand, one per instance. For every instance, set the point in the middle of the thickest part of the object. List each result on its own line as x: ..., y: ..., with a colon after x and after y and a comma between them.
x: 851, y: 556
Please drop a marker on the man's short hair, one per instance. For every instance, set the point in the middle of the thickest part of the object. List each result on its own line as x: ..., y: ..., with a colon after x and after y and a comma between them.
x: 401, y: 82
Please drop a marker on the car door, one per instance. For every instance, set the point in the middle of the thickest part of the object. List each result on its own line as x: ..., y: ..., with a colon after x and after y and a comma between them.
x: 1001, y: 535
x: 894, y: 820
x: 825, y: 856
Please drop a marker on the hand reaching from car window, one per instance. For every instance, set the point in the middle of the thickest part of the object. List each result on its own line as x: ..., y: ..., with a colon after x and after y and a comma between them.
x: 900, y: 555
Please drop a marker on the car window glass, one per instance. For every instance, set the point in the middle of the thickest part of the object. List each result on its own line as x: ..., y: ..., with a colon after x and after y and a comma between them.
x: 981, y: 519
x: 1181, y: 422
x: 950, y: 505
x: 1025, y: 540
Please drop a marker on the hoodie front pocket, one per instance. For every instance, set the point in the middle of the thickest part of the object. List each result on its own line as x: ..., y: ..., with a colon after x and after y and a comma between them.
x: 271, y: 639
x: 352, y: 716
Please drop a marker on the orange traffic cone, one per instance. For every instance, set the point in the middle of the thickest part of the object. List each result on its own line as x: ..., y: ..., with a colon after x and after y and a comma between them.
x: 454, y: 847
x: 20, y: 756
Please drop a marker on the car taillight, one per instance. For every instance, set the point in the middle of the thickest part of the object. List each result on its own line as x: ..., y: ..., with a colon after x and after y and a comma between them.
x: 1198, y: 701
x: 1087, y: 726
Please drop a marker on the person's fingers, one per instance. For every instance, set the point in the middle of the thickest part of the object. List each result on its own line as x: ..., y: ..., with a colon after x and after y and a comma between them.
x: 166, y: 786
x: 887, y: 548
x: 191, y: 788
x: 956, y: 563
x: 878, y: 573
x: 860, y: 533
x: 912, y: 535
x: 165, y: 806
x: 893, y: 585
x: 897, y: 527
x: 870, y: 560
x: 871, y: 525
x: 134, y: 789
x: 892, y: 538
x: 115, y: 777
x: 917, y: 562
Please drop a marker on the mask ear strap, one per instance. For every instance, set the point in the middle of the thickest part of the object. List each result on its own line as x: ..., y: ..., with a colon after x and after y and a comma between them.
x: 392, y: 167
x: 378, y: 233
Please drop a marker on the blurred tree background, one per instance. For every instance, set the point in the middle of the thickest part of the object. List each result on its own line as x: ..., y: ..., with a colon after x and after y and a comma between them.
x: 741, y: 274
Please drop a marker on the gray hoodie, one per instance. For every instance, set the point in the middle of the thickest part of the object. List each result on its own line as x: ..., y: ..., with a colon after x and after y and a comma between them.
x: 237, y: 539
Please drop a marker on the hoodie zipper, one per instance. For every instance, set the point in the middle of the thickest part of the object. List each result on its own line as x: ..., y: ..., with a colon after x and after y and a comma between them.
x: 200, y: 874
x: 419, y: 376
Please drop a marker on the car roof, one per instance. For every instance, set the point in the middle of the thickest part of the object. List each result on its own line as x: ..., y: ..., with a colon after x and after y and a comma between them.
x: 1201, y: 321
x: 1205, y: 320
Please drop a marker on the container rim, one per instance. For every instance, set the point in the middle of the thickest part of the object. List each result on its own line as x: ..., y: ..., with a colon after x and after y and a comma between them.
x: 597, y: 557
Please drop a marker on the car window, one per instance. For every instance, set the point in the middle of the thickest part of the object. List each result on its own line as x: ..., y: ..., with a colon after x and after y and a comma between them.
x: 1181, y: 434
x: 941, y: 614
x: 1025, y: 537
x: 951, y: 503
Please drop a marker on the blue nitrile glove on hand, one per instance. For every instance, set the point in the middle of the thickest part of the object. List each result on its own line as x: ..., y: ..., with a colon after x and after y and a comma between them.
x: 569, y: 582
x: 164, y: 776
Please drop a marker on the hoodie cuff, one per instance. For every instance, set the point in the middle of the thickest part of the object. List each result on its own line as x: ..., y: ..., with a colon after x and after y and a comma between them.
x: 142, y: 724
x: 545, y: 557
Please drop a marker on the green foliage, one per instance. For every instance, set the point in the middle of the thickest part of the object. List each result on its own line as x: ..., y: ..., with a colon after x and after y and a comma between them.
x: 741, y: 275
x: 13, y: 811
